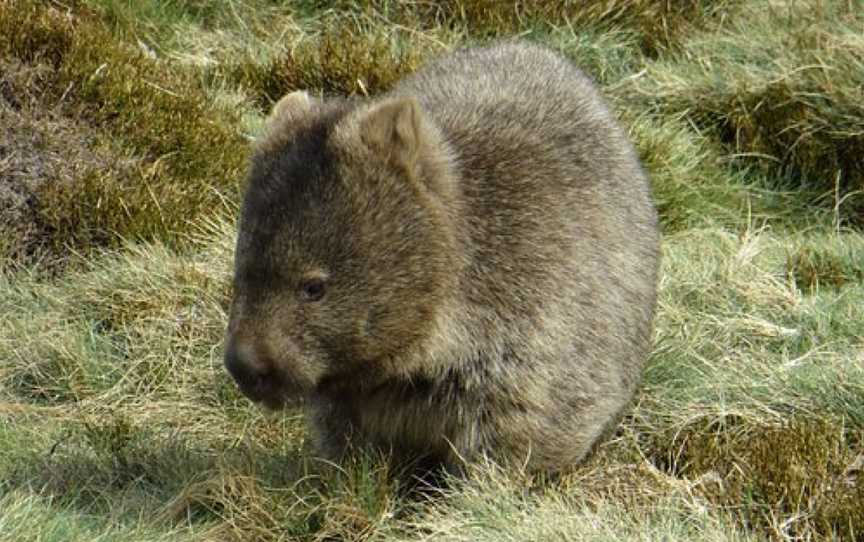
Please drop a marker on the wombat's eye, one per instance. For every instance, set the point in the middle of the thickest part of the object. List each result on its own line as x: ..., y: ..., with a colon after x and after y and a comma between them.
x: 312, y: 289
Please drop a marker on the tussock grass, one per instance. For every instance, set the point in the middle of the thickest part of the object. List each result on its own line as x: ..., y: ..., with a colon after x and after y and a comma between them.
x: 782, y: 88
x: 695, y: 185
x: 816, y: 264
x: 362, y: 47
x: 656, y: 25
x: 804, y: 470
x: 188, y: 155
x: 744, y: 332
x: 123, y: 322
x: 755, y: 390
x: 690, y: 183
x: 41, y: 147
x: 117, y: 420
x: 347, y: 56
x: 767, y: 382
x: 206, y: 34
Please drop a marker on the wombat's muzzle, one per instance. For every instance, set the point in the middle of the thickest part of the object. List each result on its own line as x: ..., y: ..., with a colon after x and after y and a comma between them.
x: 255, y: 374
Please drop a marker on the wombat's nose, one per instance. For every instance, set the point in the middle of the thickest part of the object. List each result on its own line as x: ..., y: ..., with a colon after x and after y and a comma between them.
x: 248, y: 369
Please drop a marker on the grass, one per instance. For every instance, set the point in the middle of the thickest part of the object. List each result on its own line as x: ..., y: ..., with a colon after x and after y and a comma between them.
x: 133, y: 108
x: 347, y: 56
x: 781, y: 90
x: 494, y: 507
x: 124, y: 131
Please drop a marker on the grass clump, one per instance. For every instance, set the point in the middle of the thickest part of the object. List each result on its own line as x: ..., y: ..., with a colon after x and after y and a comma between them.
x: 347, y: 57
x: 187, y: 155
x: 807, y: 470
x: 734, y: 330
x: 354, y: 502
x: 816, y: 264
x: 41, y: 147
x: 32, y: 33
x: 785, y: 97
x: 364, y: 47
x: 692, y: 186
x: 766, y: 381
x: 656, y: 25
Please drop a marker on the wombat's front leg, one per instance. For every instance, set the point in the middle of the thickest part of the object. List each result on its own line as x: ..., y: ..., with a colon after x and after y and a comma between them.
x: 330, y: 429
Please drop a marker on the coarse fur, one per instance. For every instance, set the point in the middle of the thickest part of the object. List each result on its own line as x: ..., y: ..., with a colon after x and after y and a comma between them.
x: 463, y: 267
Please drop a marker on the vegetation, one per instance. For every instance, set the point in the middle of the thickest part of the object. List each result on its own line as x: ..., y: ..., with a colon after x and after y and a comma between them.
x: 167, y: 153
x: 123, y: 136
x: 780, y: 89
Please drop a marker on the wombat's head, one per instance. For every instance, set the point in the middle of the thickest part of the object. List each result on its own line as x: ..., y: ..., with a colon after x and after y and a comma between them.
x: 345, y: 247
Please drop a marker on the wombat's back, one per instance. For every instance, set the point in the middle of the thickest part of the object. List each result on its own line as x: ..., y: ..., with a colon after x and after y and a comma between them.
x: 539, y: 156
x: 564, y: 240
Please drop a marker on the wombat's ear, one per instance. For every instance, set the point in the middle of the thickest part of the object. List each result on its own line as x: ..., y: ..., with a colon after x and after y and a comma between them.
x: 395, y: 128
x: 285, y: 115
x: 294, y: 104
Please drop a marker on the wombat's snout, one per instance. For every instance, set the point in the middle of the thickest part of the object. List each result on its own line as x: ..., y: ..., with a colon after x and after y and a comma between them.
x: 260, y: 375
x: 253, y: 370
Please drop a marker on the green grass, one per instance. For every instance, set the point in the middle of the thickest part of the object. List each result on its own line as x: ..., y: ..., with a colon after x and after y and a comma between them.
x: 781, y: 89
x: 495, y: 507
x: 125, y: 128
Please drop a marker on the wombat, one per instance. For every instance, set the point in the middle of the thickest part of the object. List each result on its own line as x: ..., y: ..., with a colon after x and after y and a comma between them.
x: 462, y: 268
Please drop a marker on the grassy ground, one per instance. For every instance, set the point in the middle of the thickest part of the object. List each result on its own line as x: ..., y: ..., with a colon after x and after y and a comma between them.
x: 123, y: 132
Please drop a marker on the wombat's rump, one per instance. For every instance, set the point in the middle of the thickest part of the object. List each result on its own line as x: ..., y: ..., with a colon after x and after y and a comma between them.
x: 465, y: 266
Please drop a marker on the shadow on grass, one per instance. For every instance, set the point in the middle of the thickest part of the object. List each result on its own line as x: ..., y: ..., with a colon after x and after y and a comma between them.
x: 259, y: 487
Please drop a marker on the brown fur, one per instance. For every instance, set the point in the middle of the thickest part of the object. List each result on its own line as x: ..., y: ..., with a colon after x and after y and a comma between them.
x: 485, y: 250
